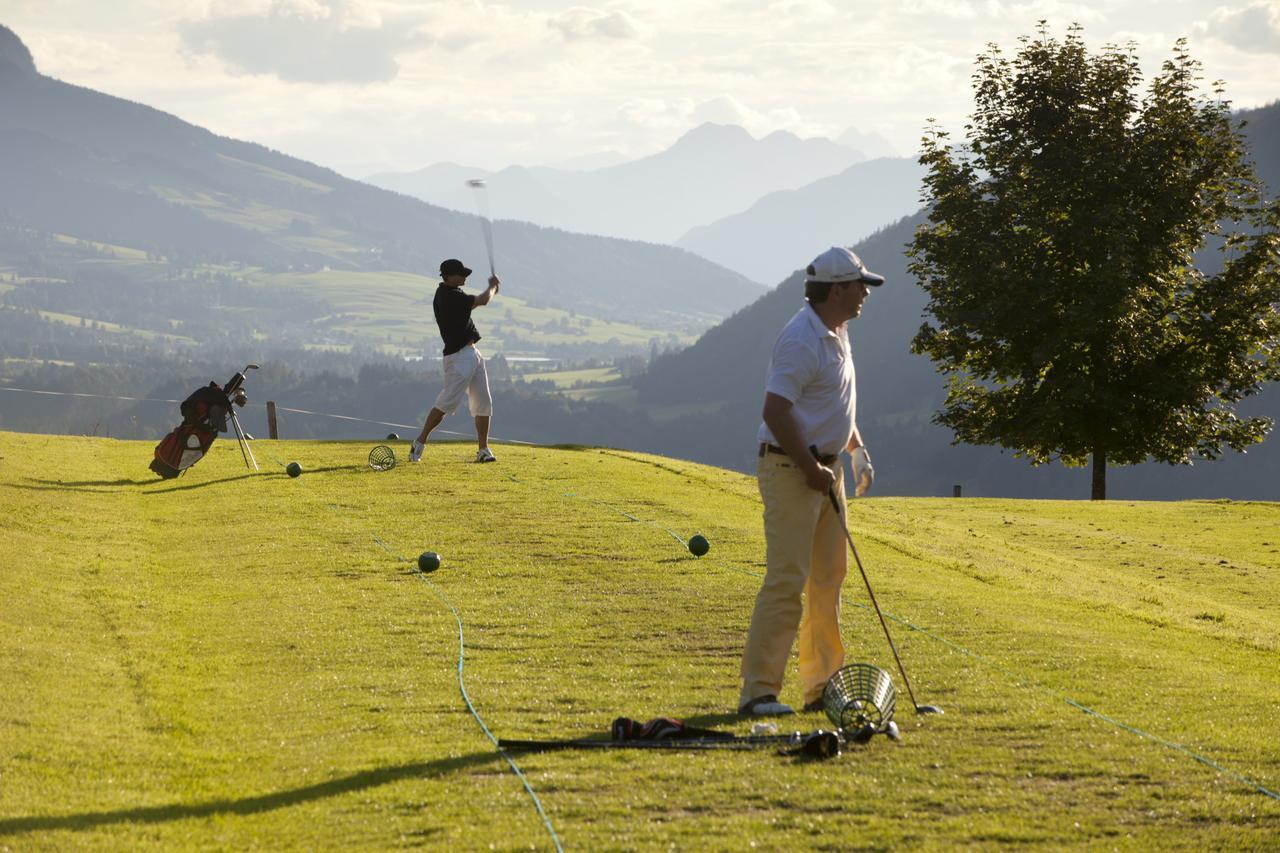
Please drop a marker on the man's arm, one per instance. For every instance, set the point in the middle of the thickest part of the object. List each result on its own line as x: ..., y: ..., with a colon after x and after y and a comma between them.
x: 777, y: 416
x: 485, y: 297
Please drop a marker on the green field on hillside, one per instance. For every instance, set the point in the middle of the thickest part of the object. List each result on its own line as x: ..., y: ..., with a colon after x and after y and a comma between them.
x: 373, y: 306
x: 386, y: 310
x: 238, y: 659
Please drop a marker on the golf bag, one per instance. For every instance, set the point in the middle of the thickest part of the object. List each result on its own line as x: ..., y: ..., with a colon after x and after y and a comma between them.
x: 204, y: 415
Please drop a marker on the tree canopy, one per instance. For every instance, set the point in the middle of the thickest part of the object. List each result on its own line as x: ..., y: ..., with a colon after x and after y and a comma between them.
x: 1067, y: 260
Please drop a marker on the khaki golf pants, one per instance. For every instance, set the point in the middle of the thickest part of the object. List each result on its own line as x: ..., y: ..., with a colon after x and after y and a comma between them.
x: 806, y: 560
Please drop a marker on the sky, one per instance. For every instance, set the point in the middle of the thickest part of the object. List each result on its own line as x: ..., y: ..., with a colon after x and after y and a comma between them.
x: 363, y: 86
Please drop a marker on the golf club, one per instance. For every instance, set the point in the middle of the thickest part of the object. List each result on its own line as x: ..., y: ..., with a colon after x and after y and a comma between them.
x: 234, y: 390
x: 821, y: 743
x: 482, y: 206
x: 920, y: 709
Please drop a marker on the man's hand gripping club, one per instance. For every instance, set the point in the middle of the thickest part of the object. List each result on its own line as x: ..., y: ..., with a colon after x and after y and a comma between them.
x: 777, y: 416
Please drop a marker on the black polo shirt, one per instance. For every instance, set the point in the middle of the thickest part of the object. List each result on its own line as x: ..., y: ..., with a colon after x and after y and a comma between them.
x: 453, y: 316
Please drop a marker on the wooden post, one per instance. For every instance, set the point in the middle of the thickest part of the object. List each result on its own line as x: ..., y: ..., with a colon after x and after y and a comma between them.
x: 955, y: 490
x: 271, y: 419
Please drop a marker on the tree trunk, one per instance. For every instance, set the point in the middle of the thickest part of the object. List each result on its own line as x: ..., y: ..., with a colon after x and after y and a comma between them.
x: 1099, y: 475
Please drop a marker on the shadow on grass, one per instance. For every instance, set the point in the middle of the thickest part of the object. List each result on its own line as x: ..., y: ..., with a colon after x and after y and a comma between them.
x: 247, y: 805
x: 105, y: 486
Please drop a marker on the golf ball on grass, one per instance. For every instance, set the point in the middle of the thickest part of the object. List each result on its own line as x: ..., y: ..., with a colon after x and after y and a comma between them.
x: 699, y: 545
x: 428, y: 561
x: 293, y: 469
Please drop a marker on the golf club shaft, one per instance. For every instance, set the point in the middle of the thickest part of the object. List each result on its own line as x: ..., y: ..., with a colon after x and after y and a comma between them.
x: 725, y: 741
x: 831, y: 493
x: 245, y: 451
x: 676, y: 743
x: 486, y: 224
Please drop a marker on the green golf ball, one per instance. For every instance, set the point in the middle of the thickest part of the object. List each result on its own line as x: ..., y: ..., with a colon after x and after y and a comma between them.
x: 428, y: 561
x: 293, y: 469
x: 699, y: 545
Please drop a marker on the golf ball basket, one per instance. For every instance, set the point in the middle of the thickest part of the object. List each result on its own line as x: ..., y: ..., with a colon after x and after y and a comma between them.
x: 382, y: 458
x: 860, y: 695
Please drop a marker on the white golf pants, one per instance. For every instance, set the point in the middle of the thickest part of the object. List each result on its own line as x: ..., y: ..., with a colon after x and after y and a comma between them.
x: 464, y: 374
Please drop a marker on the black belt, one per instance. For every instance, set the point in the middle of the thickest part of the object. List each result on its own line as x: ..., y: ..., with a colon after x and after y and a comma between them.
x: 766, y: 447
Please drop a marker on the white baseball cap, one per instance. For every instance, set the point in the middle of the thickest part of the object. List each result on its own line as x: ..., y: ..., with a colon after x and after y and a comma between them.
x: 839, y: 264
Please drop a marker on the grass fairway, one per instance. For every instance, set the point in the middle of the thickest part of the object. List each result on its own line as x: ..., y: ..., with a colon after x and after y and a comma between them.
x: 241, y: 660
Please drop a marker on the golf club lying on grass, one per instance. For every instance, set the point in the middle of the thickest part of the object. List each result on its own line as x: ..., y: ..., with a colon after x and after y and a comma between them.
x: 831, y: 493
x: 873, y: 710
x: 816, y: 744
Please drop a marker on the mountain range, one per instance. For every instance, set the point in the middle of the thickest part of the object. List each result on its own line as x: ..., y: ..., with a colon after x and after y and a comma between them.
x: 780, y: 232
x: 94, y: 167
x: 710, y: 172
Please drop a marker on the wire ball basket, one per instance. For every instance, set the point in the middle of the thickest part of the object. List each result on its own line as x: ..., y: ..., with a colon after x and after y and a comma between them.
x: 382, y: 458
x: 860, y: 695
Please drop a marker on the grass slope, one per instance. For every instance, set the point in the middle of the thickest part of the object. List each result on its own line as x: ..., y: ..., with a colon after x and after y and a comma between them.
x: 234, y: 660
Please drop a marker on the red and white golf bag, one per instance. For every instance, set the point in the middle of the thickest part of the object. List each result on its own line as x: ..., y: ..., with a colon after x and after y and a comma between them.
x: 204, y: 415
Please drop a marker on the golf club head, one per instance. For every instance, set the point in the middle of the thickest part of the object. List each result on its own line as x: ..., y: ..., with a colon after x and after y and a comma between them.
x: 863, y: 734
x: 249, y: 367
x: 821, y: 744
x: 929, y: 709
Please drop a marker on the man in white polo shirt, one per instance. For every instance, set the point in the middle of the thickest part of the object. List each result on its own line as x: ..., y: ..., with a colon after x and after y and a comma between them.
x: 809, y: 403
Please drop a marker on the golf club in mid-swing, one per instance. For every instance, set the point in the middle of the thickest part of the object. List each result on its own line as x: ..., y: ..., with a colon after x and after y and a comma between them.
x: 482, y: 207
x: 831, y: 493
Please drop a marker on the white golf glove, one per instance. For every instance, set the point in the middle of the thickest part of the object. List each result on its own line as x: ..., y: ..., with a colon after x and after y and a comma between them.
x: 863, y: 474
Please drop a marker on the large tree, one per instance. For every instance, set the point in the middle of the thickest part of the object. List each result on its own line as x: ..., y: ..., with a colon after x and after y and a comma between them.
x: 1070, y: 305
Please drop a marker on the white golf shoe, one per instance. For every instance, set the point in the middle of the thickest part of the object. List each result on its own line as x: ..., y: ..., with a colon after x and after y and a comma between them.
x: 483, y: 455
x: 415, y: 451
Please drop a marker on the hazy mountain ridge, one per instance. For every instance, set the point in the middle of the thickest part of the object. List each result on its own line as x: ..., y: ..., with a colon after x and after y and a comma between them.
x: 73, y: 160
x: 779, y: 233
x: 710, y: 172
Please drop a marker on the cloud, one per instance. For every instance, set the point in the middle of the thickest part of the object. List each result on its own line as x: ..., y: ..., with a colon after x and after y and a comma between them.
x: 581, y: 23
x: 1254, y: 28
x: 307, y: 41
x: 722, y: 110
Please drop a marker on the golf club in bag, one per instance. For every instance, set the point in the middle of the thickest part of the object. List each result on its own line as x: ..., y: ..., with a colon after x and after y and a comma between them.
x: 920, y: 709
x: 204, y: 414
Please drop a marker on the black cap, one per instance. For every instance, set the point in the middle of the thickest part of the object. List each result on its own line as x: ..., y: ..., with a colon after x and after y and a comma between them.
x: 453, y: 266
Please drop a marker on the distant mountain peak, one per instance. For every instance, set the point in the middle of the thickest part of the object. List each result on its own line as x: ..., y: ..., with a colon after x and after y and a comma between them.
x: 710, y: 133
x: 13, y: 53
x: 781, y: 136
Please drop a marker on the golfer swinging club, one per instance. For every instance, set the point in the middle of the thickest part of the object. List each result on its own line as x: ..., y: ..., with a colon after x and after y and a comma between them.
x: 809, y: 402
x: 464, y: 371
